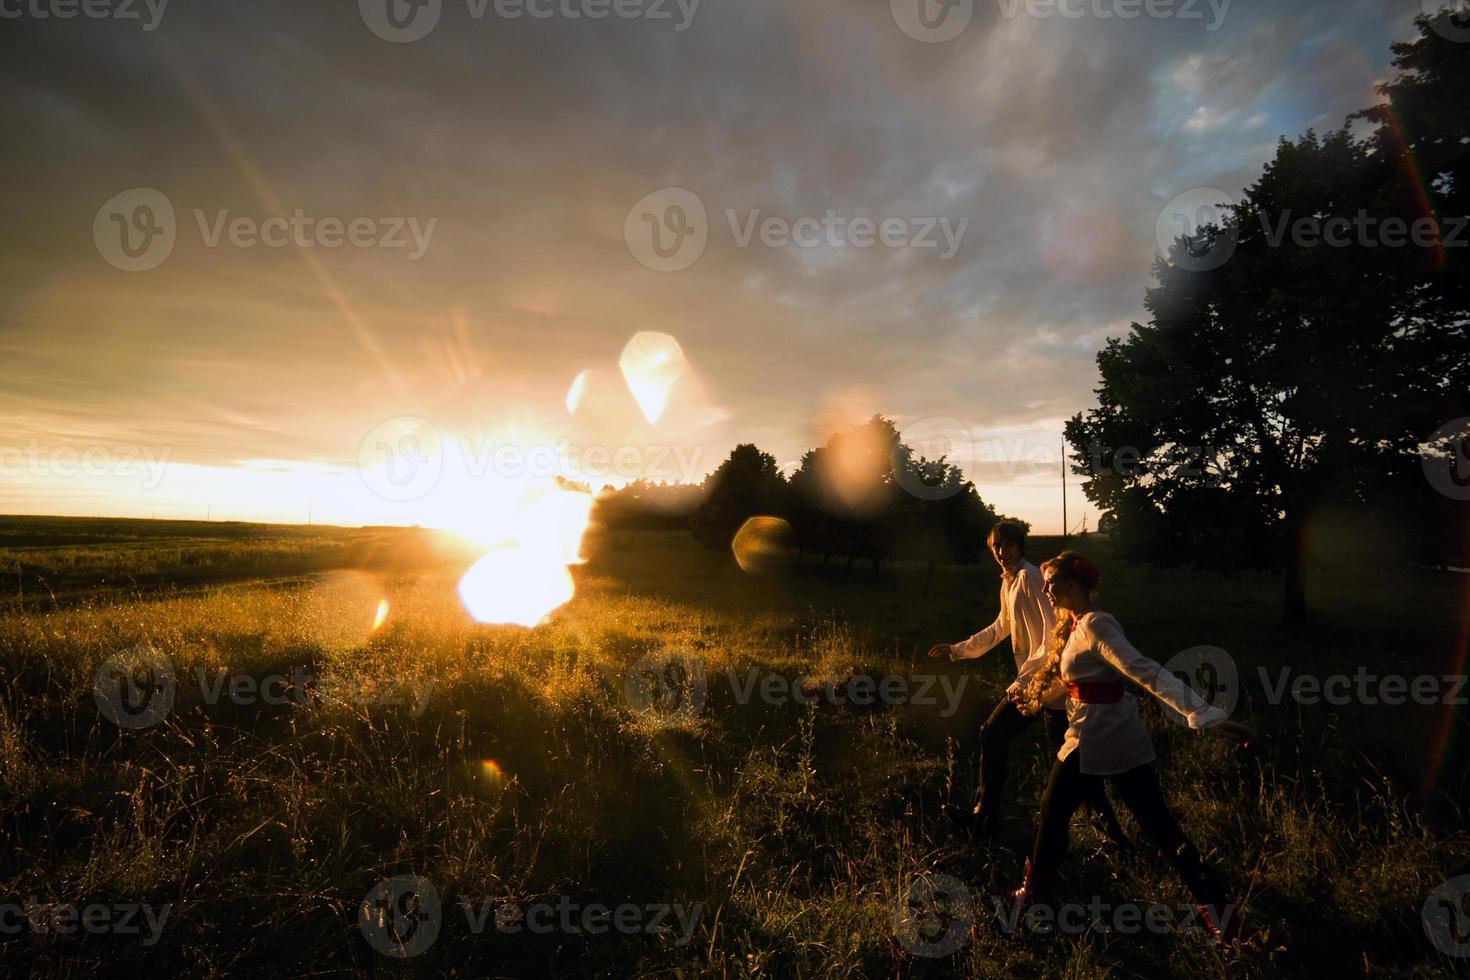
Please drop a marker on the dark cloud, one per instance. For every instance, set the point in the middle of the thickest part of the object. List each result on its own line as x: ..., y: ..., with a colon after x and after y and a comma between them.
x: 529, y: 140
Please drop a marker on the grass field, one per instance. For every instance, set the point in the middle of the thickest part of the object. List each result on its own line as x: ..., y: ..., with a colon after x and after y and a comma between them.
x: 509, y: 768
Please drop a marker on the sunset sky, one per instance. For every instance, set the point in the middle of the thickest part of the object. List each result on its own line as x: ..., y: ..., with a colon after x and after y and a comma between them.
x: 241, y: 380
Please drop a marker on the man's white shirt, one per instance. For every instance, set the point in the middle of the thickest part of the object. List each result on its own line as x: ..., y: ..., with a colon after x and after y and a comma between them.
x: 1026, y: 617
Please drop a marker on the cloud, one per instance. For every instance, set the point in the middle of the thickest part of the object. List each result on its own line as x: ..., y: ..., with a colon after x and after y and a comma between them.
x: 529, y: 140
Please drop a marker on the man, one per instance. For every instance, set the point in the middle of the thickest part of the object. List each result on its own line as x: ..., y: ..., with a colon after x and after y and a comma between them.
x: 1025, y: 617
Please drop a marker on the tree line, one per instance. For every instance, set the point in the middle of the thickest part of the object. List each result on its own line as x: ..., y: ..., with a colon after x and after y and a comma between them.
x: 863, y: 496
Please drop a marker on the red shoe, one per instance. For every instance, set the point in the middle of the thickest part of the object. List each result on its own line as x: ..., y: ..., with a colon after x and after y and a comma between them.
x: 1225, y: 933
x: 1036, y: 886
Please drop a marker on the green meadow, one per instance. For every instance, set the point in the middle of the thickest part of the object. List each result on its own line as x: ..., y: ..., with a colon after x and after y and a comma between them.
x: 772, y: 824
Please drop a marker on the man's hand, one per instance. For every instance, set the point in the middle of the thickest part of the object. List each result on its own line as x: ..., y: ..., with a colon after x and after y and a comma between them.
x: 1237, y: 732
x: 944, y: 650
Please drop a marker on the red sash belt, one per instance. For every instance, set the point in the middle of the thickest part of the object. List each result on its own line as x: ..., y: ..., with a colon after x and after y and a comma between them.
x: 1096, y: 692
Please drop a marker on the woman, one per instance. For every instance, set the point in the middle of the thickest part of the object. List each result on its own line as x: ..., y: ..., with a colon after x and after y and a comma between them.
x: 1026, y: 618
x: 1089, y: 655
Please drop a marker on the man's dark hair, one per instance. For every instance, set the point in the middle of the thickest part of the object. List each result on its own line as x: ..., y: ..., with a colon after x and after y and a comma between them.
x: 1008, y: 532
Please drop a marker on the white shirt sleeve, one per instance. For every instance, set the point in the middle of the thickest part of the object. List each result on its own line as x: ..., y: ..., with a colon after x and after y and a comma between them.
x: 1114, y: 647
x: 1040, y: 622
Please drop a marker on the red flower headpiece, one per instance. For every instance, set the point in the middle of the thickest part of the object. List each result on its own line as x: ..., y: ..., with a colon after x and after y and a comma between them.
x: 1081, y: 568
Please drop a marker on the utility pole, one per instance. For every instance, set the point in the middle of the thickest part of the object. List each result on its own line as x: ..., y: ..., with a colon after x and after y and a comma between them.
x: 1066, y: 531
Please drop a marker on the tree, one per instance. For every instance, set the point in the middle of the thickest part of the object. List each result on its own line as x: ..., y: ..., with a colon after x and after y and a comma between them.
x: 865, y: 495
x: 1295, y: 375
x: 745, y: 485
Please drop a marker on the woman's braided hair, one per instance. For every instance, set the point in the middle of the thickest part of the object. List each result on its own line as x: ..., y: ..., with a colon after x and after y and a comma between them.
x: 1067, y: 565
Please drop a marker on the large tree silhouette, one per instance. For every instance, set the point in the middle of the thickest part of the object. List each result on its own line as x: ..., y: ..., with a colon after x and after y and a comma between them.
x: 1293, y: 374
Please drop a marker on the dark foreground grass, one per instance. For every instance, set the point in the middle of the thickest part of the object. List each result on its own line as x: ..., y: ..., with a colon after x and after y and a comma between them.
x: 785, y: 834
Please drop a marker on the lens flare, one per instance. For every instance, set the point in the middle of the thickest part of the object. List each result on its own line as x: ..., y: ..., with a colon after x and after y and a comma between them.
x: 652, y: 364
x: 381, y: 616
x: 761, y: 543
x: 525, y: 579
x: 574, y: 393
